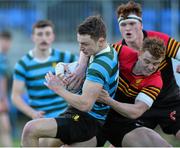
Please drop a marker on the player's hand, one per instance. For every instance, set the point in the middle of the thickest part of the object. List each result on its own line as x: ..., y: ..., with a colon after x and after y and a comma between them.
x: 53, y: 82
x: 178, y: 68
x: 104, y: 94
x: 61, y: 71
x: 104, y: 97
x: 38, y: 114
x: 76, y: 84
x: 76, y: 78
x: 63, y: 79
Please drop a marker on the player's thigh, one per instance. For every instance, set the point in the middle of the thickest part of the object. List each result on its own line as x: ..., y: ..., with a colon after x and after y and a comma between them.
x: 76, y: 127
x: 50, y: 142
x: 90, y: 143
x: 142, y: 136
x: 43, y: 127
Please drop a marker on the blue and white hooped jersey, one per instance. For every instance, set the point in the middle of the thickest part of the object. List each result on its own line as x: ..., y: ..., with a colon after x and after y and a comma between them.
x: 104, y: 70
x: 32, y: 73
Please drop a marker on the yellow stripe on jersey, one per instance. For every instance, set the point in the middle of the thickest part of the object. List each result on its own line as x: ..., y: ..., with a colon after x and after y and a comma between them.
x: 172, y: 48
x: 154, y: 88
x: 163, y: 64
x: 176, y: 49
x: 151, y: 91
x: 169, y: 45
x: 149, y: 94
x: 160, y: 68
x: 126, y: 91
x: 116, y: 47
x: 121, y: 81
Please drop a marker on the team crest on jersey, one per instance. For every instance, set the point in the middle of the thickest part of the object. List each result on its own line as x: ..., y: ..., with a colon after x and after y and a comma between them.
x: 75, y: 117
x: 137, y: 83
x: 54, y: 64
x: 172, y: 115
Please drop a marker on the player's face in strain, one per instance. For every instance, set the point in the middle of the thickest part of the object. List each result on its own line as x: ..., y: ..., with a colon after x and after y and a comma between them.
x: 130, y: 30
x: 43, y: 37
x: 87, y: 45
x: 148, y: 64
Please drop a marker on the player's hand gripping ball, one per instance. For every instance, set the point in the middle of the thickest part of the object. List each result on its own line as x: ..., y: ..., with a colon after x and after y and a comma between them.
x: 62, y: 70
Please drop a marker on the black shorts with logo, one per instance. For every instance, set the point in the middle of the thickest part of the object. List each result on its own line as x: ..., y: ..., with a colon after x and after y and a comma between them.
x: 168, y: 118
x: 76, y: 126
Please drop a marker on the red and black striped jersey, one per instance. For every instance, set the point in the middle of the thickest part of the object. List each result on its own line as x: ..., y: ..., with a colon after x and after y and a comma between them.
x: 169, y: 94
x: 130, y: 85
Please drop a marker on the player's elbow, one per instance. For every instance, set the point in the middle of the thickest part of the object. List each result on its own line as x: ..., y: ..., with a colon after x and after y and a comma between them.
x: 14, y: 98
x: 86, y: 108
x: 138, y: 110
x: 135, y: 114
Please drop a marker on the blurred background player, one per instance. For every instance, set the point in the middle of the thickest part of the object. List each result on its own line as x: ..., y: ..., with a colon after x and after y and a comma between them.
x: 5, y: 76
x: 30, y: 71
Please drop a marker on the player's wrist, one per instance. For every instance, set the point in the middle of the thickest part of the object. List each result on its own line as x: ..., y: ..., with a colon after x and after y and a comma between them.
x: 110, y: 101
x: 33, y: 114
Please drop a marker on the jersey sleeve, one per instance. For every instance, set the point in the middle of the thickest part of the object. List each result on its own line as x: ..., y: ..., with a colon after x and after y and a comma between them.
x: 173, y: 49
x: 96, y: 73
x: 20, y: 71
x: 151, y: 89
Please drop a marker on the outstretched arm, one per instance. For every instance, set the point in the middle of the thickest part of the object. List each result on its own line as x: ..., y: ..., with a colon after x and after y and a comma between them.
x: 3, y: 94
x: 132, y: 111
x: 17, y: 91
x: 84, y: 102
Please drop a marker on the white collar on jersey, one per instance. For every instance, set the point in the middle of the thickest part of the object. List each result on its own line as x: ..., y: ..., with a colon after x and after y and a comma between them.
x: 107, y: 49
x: 38, y: 60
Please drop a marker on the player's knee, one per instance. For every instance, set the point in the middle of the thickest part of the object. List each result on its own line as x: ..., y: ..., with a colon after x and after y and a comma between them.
x: 132, y: 138
x: 178, y: 135
x: 146, y: 133
x: 154, y: 137
x: 128, y: 139
x: 30, y: 129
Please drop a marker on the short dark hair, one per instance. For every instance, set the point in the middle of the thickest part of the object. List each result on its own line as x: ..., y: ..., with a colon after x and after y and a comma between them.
x: 93, y: 26
x: 42, y: 24
x: 129, y: 8
x: 155, y: 46
x: 5, y: 35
